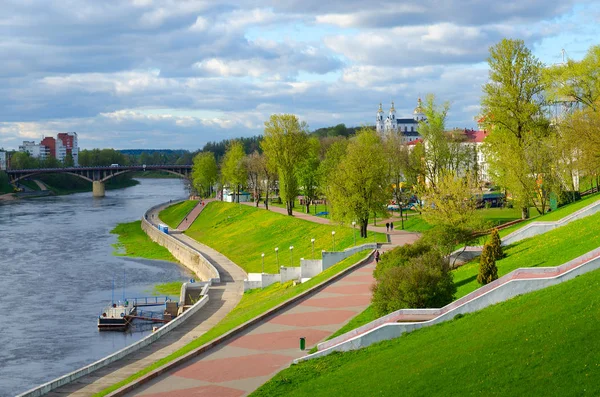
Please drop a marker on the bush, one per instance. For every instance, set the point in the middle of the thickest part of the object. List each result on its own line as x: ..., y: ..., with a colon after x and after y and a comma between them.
x: 400, y: 256
x: 488, y: 271
x: 424, y: 281
x: 496, y: 245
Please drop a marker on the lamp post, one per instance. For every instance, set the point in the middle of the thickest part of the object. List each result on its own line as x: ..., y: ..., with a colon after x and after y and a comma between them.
x: 263, y: 262
x: 333, y: 237
x: 312, y: 240
x: 354, y: 231
x: 291, y: 255
x: 277, y: 256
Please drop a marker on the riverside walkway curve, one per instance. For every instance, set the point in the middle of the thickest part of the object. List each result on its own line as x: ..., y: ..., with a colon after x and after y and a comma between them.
x: 223, y: 297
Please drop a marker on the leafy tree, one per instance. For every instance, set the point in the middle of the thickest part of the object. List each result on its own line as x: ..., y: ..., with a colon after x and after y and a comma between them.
x: 436, y: 157
x: 284, y: 144
x: 204, y: 173
x: 450, y: 207
x: 488, y: 271
x: 496, y: 245
x: 333, y: 157
x: 308, y: 172
x: 254, y: 165
x: 424, y: 281
x: 234, y: 168
x: 398, y: 163
x: 358, y: 183
x: 69, y: 162
x: 578, y: 81
x: 512, y: 106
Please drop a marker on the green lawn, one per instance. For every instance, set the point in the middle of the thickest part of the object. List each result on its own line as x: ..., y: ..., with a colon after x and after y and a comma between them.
x: 170, y: 288
x: 544, y: 343
x: 302, y: 208
x: 174, y: 214
x: 242, y: 233
x: 132, y: 241
x: 253, y: 303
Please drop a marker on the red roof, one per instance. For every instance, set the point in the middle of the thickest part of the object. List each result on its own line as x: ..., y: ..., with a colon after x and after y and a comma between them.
x: 418, y: 140
x: 475, y: 136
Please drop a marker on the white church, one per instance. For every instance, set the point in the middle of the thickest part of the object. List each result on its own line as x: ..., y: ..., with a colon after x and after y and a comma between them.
x: 407, y: 126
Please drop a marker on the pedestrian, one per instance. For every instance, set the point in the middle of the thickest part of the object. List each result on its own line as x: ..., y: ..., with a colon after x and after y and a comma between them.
x: 392, y: 226
x: 377, y: 256
x: 387, y: 226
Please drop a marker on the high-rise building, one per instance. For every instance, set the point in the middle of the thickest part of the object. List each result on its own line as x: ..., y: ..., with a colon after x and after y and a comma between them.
x: 70, y: 144
x: 32, y: 148
x: 48, y: 149
x: 3, y: 156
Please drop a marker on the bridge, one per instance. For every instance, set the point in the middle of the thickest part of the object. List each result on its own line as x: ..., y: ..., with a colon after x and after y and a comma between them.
x: 98, y: 175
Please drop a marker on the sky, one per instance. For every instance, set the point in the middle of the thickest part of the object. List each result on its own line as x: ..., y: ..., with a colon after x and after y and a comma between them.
x: 175, y: 74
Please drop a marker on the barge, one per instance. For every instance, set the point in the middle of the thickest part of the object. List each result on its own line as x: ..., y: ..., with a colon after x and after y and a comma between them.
x: 116, y: 316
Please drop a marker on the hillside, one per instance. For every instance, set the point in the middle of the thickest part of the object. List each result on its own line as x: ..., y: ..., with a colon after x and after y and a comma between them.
x: 242, y: 233
x: 543, y: 343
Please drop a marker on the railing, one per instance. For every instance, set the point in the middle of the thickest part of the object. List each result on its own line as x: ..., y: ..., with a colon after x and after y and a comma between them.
x: 148, y: 301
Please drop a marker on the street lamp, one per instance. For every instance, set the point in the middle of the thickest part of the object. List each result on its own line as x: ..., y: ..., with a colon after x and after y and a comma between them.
x: 291, y: 255
x: 263, y: 262
x: 312, y: 240
x: 333, y: 236
x: 277, y: 255
x: 354, y: 231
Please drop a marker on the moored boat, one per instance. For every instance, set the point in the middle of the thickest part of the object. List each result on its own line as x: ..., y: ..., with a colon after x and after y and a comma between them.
x: 116, y: 316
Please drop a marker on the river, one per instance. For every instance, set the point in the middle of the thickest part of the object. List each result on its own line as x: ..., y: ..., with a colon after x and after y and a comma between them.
x: 56, y: 274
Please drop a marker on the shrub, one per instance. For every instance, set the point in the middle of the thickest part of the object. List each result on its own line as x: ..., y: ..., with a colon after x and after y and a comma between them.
x: 496, y: 245
x: 421, y: 282
x: 399, y: 256
x: 488, y: 271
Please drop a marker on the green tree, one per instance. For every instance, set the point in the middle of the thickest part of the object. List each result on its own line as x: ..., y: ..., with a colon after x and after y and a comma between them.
x: 69, y: 162
x: 308, y: 172
x: 423, y: 281
x: 488, y: 271
x: 284, y: 144
x: 450, y: 207
x: 234, y: 168
x: 359, y: 182
x: 496, y: 245
x: 577, y: 81
x: 204, y: 173
x: 512, y: 107
x: 437, y: 150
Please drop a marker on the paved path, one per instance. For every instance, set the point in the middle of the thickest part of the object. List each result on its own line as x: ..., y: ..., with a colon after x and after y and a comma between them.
x: 241, y: 365
x: 223, y: 298
x: 191, y: 217
x: 397, y: 237
x: 40, y: 184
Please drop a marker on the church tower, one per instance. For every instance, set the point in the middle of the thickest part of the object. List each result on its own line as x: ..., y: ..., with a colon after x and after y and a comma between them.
x: 379, y: 119
x: 391, y: 124
x: 419, y: 113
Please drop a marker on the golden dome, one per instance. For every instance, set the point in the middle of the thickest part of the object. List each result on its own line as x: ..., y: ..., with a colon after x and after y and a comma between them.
x: 419, y: 108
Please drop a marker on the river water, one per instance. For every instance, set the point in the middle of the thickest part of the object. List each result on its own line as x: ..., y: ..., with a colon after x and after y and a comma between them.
x: 56, y: 274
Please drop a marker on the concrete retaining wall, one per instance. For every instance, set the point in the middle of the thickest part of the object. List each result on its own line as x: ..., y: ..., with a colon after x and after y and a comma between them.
x: 185, y: 254
x: 498, y: 291
x: 289, y: 273
x: 331, y: 258
x: 310, y: 267
x: 70, y: 377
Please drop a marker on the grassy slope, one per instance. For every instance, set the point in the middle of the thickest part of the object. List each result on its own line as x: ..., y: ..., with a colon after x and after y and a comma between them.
x: 132, y: 241
x: 174, y: 214
x: 255, y: 231
x: 551, y: 249
x: 253, y: 303
x: 543, y: 343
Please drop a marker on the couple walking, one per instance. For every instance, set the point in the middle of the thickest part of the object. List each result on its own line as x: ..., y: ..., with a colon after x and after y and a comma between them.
x: 389, y: 226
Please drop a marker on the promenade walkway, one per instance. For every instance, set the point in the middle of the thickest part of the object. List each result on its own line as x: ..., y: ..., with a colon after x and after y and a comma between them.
x: 191, y: 217
x: 223, y: 298
x: 241, y: 365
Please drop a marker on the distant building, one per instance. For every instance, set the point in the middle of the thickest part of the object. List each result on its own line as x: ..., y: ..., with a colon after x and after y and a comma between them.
x: 3, y: 160
x: 32, y: 148
x: 64, y: 145
x: 407, y: 126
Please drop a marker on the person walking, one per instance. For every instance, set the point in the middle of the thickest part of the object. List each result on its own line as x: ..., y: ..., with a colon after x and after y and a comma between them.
x: 377, y: 256
x: 392, y: 226
x: 387, y: 227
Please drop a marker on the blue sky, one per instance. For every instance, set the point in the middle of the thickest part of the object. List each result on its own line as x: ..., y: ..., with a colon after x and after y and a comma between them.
x: 179, y: 73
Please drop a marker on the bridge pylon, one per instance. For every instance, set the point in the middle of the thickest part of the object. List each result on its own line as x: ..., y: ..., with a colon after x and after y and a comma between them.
x: 98, y: 189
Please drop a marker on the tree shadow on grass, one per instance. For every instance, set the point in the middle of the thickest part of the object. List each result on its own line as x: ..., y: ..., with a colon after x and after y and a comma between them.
x: 465, y: 281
